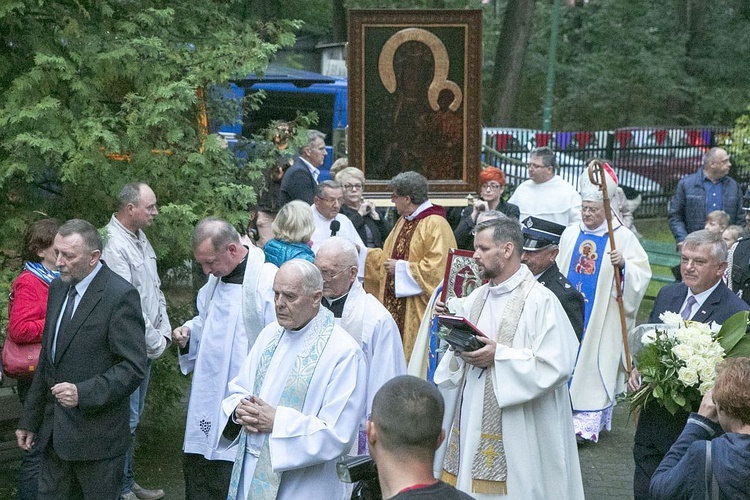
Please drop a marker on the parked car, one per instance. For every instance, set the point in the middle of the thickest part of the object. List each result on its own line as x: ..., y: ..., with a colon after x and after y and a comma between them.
x: 663, y: 155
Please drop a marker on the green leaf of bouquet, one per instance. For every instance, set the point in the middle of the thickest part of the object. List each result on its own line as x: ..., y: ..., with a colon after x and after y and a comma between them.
x: 732, y: 331
x: 679, y: 399
x: 657, y: 391
x: 741, y: 348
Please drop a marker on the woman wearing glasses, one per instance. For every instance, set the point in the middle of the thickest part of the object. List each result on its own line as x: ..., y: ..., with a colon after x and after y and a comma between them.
x: 492, y: 186
x: 369, y: 223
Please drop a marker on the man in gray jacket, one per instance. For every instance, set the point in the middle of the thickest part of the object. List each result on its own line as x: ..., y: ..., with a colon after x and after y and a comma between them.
x: 128, y: 253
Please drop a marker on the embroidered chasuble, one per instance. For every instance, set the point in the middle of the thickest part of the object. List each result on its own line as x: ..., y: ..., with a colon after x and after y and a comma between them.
x: 510, y: 424
x: 583, y: 272
x: 424, y: 243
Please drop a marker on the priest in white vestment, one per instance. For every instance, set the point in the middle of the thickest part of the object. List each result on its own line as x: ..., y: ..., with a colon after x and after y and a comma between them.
x: 546, y: 195
x: 363, y: 317
x: 233, y: 307
x: 298, y: 398
x: 511, y: 433
x: 586, y: 258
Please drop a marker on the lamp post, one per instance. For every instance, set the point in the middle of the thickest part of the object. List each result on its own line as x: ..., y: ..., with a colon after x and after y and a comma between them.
x: 547, y: 114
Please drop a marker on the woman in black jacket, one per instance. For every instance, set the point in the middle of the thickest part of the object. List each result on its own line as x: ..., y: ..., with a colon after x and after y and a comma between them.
x: 492, y: 186
x: 370, y: 224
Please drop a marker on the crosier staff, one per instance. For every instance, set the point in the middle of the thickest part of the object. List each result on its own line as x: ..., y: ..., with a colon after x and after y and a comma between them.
x: 596, y: 176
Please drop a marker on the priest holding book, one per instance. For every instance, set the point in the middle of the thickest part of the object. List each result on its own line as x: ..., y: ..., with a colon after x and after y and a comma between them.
x: 510, y: 434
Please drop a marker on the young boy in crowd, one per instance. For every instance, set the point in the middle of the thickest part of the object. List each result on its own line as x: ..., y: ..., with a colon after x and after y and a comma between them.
x: 717, y: 221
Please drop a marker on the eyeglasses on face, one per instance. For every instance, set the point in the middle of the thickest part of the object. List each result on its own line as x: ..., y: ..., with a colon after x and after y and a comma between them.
x: 330, y: 275
x: 494, y: 186
x: 591, y: 209
x: 353, y: 187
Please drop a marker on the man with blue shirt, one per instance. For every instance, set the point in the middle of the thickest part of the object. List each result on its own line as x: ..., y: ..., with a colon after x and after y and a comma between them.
x: 699, y: 194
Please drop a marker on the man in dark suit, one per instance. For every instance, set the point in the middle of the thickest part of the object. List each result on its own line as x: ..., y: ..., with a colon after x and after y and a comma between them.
x: 540, y: 240
x: 300, y: 179
x: 703, y: 297
x: 739, y: 259
x: 93, y: 357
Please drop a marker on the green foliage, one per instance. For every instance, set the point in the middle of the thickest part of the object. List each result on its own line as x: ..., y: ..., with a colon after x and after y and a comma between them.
x: 639, y: 63
x: 733, y: 331
x: 83, y: 81
x: 79, y: 80
x: 740, y: 147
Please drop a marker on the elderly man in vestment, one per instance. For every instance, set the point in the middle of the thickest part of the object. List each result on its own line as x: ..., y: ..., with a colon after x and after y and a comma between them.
x: 233, y: 307
x: 586, y: 258
x: 298, y: 399
x: 326, y: 208
x: 363, y: 317
x: 404, y: 273
x: 510, y: 434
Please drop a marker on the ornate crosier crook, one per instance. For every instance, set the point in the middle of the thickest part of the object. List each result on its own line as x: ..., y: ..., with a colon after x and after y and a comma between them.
x: 596, y: 176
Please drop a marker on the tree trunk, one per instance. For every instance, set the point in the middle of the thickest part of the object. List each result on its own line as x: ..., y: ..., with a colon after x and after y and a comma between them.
x: 339, y: 25
x: 509, y: 57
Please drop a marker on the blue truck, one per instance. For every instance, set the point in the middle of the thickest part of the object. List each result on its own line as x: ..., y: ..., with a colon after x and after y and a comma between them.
x: 287, y: 92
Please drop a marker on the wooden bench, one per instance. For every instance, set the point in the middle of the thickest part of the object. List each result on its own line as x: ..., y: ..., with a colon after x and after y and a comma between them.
x: 663, y: 256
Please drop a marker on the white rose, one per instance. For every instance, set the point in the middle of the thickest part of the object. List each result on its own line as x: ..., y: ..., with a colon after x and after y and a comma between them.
x: 649, y: 337
x: 705, y: 387
x: 714, y: 327
x: 707, y: 373
x: 682, y: 351
x: 687, y: 376
x: 695, y: 362
x: 670, y: 318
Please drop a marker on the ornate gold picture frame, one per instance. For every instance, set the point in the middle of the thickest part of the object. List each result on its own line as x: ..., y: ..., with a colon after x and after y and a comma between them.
x: 461, y: 275
x: 414, y: 96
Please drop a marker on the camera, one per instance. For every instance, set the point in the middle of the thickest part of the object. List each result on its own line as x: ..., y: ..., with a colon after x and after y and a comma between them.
x: 351, y: 469
x: 362, y: 471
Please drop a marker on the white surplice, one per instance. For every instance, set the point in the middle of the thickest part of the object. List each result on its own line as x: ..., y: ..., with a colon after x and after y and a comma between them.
x: 304, y: 445
x: 530, y: 384
x: 555, y: 200
x: 219, y: 343
x: 370, y: 324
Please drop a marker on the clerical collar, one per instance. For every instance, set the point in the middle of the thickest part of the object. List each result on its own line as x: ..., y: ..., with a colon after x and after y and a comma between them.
x: 336, y: 306
x: 601, y: 230
x: 238, y: 273
x: 511, y: 283
x: 421, y: 208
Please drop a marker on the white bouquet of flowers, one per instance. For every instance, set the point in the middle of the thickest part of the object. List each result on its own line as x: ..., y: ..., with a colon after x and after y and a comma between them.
x: 678, y: 359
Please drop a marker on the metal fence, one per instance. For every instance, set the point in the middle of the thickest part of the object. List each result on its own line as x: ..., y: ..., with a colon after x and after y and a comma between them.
x: 648, y: 161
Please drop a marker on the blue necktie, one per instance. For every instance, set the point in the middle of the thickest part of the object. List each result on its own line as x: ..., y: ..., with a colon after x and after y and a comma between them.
x: 687, y: 311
